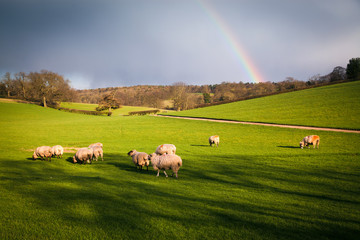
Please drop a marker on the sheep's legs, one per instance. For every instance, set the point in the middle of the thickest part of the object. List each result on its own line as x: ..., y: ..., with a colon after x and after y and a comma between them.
x: 165, y: 174
x: 158, y: 173
x: 175, y: 174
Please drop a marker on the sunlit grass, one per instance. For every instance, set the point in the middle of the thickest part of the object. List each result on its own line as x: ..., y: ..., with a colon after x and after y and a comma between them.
x: 124, y: 110
x: 334, y: 106
x: 256, y: 185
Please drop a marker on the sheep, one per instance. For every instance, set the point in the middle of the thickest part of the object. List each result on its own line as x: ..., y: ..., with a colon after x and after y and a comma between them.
x: 165, y: 149
x: 57, y: 151
x: 43, y: 152
x: 96, y: 144
x: 308, y: 140
x: 214, y: 140
x: 165, y: 162
x: 98, y: 151
x: 84, y: 155
x: 140, y: 159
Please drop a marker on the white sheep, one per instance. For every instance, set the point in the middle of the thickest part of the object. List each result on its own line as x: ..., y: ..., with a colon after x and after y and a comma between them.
x: 97, y: 151
x: 43, y: 152
x: 98, y: 144
x: 57, y: 151
x: 165, y: 149
x: 84, y: 155
x: 140, y: 159
x: 214, y: 140
x: 165, y: 162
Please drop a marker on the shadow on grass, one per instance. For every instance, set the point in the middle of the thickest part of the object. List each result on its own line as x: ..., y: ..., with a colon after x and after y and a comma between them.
x: 287, y: 147
x: 238, y: 197
x: 195, y: 145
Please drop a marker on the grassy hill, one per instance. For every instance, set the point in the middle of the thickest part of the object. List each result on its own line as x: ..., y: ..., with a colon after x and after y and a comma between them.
x: 256, y: 185
x: 336, y: 106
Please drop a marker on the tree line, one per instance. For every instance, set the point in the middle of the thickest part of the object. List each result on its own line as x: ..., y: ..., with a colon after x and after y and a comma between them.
x: 46, y: 87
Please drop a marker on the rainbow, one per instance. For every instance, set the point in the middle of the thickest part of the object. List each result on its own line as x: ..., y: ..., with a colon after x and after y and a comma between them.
x: 233, y: 43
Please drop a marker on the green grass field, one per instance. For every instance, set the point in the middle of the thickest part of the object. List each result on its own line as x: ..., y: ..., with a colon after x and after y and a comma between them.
x: 335, y: 106
x: 256, y: 185
x: 124, y: 110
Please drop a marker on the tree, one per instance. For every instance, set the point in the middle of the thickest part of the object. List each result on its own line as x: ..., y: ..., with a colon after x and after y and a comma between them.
x: 8, y: 84
x: 23, y: 83
x: 179, y: 96
x: 48, y: 87
x: 109, y: 102
x: 338, y: 74
x: 207, y: 97
x: 353, y: 69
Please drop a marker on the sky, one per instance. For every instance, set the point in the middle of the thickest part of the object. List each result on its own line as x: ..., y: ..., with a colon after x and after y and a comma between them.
x: 116, y: 43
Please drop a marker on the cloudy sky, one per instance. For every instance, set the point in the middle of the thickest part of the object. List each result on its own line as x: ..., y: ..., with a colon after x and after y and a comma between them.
x: 109, y: 43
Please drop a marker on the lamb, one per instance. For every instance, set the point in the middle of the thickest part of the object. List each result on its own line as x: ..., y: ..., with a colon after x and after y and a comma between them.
x: 84, y: 155
x: 96, y: 144
x: 165, y: 162
x: 165, y: 149
x: 98, y: 151
x: 308, y: 140
x: 57, y: 151
x: 140, y: 159
x: 214, y: 140
x: 43, y: 152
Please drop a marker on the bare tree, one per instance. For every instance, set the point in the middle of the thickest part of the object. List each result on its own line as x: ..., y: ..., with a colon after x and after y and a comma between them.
x: 23, y: 82
x: 8, y: 84
x: 48, y: 87
x: 179, y: 96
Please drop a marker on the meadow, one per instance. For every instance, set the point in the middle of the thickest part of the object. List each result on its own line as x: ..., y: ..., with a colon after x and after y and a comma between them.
x: 335, y: 106
x: 258, y: 184
x: 123, y: 111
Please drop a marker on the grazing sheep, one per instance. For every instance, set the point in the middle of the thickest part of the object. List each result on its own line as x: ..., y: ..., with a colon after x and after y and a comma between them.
x: 140, y: 159
x: 98, y: 151
x: 308, y: 140
x: 96, y: 144
x: 165, y: 162
x: 43, y: 152
x: 84, y: 155
x: 57, y: 151
x: 165, y: 149
x: 214, y: 140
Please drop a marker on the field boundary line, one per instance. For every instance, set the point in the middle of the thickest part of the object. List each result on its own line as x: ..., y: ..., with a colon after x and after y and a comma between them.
x: 263, y: 124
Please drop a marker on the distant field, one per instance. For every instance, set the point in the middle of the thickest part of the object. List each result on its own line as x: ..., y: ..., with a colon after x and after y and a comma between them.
x: 258, y: 184
x: 124, y: 110
x: 336, y: 106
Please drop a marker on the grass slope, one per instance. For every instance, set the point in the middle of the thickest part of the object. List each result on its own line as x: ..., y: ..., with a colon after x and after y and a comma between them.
x: 336, y: 106
x: 257, y: 185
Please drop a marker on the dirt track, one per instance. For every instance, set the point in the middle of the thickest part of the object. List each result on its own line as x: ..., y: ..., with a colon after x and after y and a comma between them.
x: 265, y: 124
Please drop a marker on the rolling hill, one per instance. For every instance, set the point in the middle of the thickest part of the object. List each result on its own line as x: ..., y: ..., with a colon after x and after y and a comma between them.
x: 336, y: 106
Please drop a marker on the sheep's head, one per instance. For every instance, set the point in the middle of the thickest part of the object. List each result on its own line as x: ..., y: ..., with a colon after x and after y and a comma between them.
x: 74, y: 159
x: 302, y: 144
x: 34, y: 156
x: 152, y: 156
x: 132, y: 152
x: 147, y: 162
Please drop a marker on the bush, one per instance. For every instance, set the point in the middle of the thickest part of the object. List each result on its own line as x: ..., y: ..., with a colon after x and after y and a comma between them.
x: 144, y: 112
x: 84, y: 111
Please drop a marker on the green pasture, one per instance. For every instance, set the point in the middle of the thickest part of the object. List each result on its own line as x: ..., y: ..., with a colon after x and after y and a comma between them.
x: 258, y: 184
x: 335, y: 106
x: 124, y: 110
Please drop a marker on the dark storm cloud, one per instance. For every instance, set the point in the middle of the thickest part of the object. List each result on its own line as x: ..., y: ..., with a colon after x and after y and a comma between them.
x: 120, y: 43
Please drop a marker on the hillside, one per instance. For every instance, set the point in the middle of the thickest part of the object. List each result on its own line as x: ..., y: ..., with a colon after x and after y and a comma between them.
x: 336, y: 106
